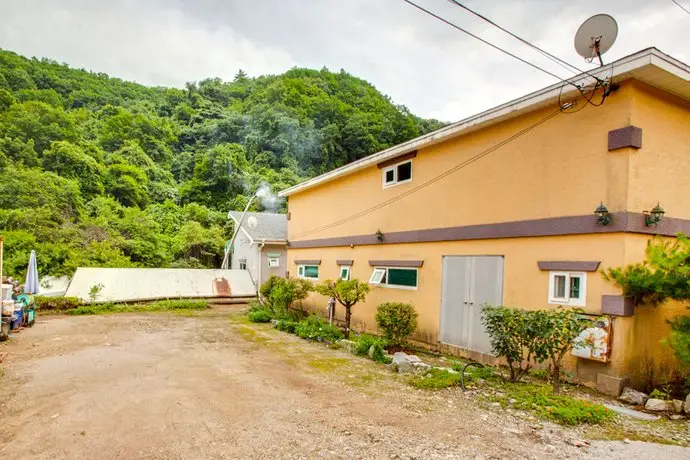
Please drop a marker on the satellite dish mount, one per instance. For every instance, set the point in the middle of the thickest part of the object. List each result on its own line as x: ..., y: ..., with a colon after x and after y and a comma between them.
x: 595, y: 37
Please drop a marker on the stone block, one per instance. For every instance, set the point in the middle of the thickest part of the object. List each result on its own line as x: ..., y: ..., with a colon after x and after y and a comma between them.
x: 656, y: 405
x: 611, y: 385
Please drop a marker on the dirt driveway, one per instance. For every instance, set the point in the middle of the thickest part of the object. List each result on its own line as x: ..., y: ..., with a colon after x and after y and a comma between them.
x: 210, y: 386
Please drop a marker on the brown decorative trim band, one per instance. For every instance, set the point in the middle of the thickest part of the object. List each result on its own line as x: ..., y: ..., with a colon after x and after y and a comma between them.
x: 396, y: 263
x: 617, y: 305
x: 630, y: 136
x: 625, y: 222
x: 569, y: 265
x: 308, y: 262
x: 398, y: 159
x: 344, y: 262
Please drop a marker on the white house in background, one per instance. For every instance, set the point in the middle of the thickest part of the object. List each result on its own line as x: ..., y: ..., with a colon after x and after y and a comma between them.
x: 261, y: 245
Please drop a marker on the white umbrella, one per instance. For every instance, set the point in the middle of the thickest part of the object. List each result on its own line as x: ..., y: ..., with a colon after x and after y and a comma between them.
x: 31, y: 284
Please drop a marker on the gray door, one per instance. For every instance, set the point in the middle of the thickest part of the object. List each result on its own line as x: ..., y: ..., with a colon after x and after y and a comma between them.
x: 468, y: 283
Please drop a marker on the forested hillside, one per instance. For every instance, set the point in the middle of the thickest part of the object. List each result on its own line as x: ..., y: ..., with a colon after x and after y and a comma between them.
x: 96, y: 171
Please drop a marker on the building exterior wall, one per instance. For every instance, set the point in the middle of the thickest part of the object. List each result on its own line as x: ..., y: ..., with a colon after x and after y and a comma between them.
x: 243, y: 248
x: 561, y: 168
x: 265, y: 270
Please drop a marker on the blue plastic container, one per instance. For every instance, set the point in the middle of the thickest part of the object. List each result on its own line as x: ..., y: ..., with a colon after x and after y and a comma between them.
x: 17, y: 318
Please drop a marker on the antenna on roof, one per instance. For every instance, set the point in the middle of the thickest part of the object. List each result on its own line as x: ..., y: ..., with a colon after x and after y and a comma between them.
x: 596, y: 36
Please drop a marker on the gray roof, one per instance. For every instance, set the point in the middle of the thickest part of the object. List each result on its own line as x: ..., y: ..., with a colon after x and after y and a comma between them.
x: 269, y: 226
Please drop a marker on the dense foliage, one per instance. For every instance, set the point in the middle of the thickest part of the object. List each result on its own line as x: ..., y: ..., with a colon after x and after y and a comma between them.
x: 278, y: 295
x: 397, y: 321
x: 96, y: 171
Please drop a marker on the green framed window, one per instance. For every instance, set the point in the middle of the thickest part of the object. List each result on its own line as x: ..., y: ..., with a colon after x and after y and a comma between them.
x: 344, y: 272
x: 403, y: 278
x: 308, y: 271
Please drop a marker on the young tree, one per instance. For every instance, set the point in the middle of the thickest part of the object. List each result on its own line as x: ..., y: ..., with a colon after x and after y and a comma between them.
x: 512, y: 336
x: 556, y: 331
x: 347, y: 293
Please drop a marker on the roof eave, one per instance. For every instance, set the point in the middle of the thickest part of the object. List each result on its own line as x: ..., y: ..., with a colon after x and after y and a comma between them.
x: 527, y: 103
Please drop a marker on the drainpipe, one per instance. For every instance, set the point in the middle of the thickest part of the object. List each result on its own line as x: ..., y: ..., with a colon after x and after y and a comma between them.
x: 226, y: 261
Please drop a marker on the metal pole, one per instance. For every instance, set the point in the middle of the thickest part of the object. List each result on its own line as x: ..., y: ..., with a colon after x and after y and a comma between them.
x: 226, y: 263
x: 2, y: 250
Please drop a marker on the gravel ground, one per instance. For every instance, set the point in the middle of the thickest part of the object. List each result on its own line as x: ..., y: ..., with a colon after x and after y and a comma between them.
x: 209, y: 386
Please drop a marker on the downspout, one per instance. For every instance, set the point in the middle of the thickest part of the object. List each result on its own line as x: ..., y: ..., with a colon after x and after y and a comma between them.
x: 260, y: 247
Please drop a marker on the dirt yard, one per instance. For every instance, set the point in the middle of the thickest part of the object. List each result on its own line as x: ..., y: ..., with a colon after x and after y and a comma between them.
x: 164, y: 386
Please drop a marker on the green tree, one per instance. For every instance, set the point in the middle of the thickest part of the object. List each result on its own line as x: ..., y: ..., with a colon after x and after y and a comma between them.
x: 70, y: 161
x: 347, y: 292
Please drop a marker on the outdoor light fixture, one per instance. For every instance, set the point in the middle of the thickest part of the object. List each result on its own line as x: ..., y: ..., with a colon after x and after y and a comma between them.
x: 379, y: 235
x: 602, y: 213
x: 654, y: 216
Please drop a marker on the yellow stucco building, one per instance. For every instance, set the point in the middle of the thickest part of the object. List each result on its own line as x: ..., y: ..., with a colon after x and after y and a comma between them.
x: 498, y: 208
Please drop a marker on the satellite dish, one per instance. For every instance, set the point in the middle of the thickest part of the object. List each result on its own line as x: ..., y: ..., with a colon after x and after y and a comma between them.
x: 596, y: 36
x: 252, y: 222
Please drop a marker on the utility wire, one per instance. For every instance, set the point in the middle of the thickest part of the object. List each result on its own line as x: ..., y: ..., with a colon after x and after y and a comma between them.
x: 599, y: 82
x: 435, y: 179
x: 476, y: 37
x: 681, y: 6
x: 565, y: 64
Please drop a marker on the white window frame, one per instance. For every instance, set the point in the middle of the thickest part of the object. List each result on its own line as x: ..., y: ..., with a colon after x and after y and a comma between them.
x: 573, y: 302
x: 273, y: 262
x: 381, y: 271
x: 340, y: 273
x: 394, y: 168
x: 243, y: 264
x: 301, y: 269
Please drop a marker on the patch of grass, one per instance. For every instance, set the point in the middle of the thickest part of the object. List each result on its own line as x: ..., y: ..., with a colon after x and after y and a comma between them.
x: 474, y: 373
x: 616, y: 432
x: 435, y: 379
x: 563, y: 409
x: 327, y: 364
x: 161, y: 305
x: 259, y: 316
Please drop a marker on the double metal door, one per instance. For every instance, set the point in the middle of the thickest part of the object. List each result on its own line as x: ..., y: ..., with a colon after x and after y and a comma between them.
x: 468, y: 283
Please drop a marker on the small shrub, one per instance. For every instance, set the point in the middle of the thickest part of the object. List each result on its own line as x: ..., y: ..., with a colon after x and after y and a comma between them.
x: 56, y: 303
x: 511, y: 337
x: 259, y: 316
x: 365, y: 341
x: 316, y: 328
x: 679, y: 341
x: 435, y: 379
x: 661, y: 393
x: 286, y: 326
x: 397, y: 321
x: 280, y: 294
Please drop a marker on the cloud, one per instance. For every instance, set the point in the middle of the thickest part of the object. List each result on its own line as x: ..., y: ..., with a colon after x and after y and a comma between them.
x: 431, y: 68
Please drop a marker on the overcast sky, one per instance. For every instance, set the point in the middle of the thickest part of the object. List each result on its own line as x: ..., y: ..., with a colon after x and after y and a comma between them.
x: 419, y: 62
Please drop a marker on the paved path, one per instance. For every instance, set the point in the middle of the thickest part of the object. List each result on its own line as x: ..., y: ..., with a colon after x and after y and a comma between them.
x: 203, y: 387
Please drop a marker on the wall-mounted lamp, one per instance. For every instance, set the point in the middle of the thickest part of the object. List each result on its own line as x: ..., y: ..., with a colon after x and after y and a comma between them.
x: 654, y: 216
x: 379, y: 235
x: 602, y: 213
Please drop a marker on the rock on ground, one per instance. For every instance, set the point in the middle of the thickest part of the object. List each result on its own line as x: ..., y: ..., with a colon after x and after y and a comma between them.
x: 634, y: 397
x: 656, y: 405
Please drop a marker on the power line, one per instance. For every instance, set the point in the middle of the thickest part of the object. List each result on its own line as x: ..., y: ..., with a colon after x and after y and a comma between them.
x: 476, y: 37
x: 599, y: 82
x: 435, y: 179
x: 565, y: 64
x: 681, y: 6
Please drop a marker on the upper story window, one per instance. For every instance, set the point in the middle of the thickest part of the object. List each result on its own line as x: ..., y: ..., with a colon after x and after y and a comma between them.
x: 397, y: 174
x: 568, y: 288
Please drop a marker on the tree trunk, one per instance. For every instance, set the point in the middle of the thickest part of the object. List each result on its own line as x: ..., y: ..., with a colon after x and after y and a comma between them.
x: 556, y: 378
x: 348, y: 314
